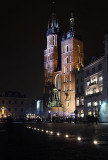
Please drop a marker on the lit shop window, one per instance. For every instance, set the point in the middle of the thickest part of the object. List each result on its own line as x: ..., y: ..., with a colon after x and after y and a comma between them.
x: 77, y: 102
x: 82, y: 113
x: 82, y: 101
x: 89, y: 113
x: 89, y: 104
x: 95, y: 103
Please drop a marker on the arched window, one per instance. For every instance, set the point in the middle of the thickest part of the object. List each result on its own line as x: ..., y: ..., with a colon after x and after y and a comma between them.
x: 64, y: 78
x: 64, y: 69
x: 58, y: 82
x: 67, y: 48
x: 78, y: 48
x: 70, y: 58
x: 64, y: 87
x: 70, y: 77
x: 78, y: 60
x: 70, y: 68
x: 67, y: 60
x: 70, y: 86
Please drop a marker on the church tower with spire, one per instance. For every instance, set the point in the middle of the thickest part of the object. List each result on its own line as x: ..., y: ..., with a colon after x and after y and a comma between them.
x: 72, y: 58
x: 61, y: 59
x: 52, y: 62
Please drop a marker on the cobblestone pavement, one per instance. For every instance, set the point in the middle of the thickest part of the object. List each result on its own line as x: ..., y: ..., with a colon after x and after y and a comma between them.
x: 25, y: 141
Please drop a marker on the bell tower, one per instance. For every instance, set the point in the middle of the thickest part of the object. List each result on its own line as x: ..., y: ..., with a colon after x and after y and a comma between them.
x: 51, y: 56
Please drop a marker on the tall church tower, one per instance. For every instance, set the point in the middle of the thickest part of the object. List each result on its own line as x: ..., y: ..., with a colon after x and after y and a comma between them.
x: 51, y: 57
x: 72, y: 57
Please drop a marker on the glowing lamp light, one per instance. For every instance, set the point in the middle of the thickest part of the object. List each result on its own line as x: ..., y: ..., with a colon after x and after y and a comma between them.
x: 38, y: 129
x: 95, y: 142
x: 49, y: 111
x: 29, y: 127
x: 58, y: 134
x: 79, y: 138
x: 46, y: 131
x: 51, y: 132
x: 42, y: 130
x: 34, y: 128
x: 66, y: 135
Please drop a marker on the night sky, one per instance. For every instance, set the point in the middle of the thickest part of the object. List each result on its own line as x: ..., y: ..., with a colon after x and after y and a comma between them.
x: 23, y: 38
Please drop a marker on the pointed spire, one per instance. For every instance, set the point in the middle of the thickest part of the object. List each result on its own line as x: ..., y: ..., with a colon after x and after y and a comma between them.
x: 53, y: 26
x: 72, y: 24
x: 72, y: 20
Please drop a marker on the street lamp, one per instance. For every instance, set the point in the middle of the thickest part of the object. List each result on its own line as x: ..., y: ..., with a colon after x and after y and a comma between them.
x: 50, y: 112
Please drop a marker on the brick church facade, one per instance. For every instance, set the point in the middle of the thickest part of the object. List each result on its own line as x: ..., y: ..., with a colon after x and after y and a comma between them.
x: 63, y: 55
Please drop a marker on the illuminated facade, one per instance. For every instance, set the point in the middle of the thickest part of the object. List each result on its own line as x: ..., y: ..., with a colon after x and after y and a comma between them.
x: 15, y: 105
x: 61, y: 58
x: 92, y: 87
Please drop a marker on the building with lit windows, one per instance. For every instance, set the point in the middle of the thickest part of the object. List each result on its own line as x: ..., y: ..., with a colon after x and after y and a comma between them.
x: 79, y: 92
x: 15, y: 105
x: 92, y: 87
x: 64, y: 54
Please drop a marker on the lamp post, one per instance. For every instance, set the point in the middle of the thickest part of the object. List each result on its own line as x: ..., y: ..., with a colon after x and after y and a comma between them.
x: 50, y: 114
